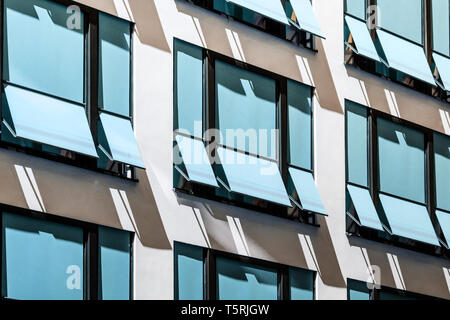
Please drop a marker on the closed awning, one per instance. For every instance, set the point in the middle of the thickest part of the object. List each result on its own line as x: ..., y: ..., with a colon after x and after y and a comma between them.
x: 306, y: 18
x: 444, y: 222
x: 252, y: 176
x: 195, y: 160
x: 406, y: 57
x: 272, y: 9
x: 409, y: 220
x: 47, y: 120
x: 307, y: 192
x: 361, y: 39
x: 119, y: 143
x: 443, y: 68
x: 367, y: 215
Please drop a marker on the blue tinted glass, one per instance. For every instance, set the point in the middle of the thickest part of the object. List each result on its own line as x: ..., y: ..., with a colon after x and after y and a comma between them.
x: 114, y: 64
x: 442, y: 169
x: 306, y: 18
x: 114, y: 264
x: 299, y: 123
x: 242, y: 281
x: 357, y: 290
x: 443, y: 68
x: 441, y: 26
x: 364, y: 207
x: 189, y: 88
x: 253, y: 176
x: 403, y: 17
x: 307, y: 190
x: 40, y: 51
x: 384, y: 295
x: 51, y: 121
x: 269, y: 8
x: 444, y: 222
x: 357, y: 149
x: 362, y: 38
x: 116, y: 137
x: 301, y: 284
x: 401, y: 154
x: 246, y: 109
x: 41, y: 260
x: 188, y: 272
x: 356, y: 8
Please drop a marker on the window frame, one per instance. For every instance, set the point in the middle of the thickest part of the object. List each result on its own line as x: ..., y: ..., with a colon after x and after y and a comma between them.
x: 209, y: 122
x: 373, y: 187
x: 209, y: 272
x: 91, y: 255
x: 301, y: 38
x: 90, y: 94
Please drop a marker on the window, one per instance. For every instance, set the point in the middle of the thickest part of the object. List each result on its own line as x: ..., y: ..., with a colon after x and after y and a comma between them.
x: 209, y: 274
x: 53, y: 258
x: 395, y: 182
x: 50, y: 92
x: 291, y: 20
x: 247, y: 136
x: 401, y: 48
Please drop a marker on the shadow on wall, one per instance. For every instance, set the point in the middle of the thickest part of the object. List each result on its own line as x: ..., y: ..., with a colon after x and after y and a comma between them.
x: 407, y: 270
x: 267, y: 237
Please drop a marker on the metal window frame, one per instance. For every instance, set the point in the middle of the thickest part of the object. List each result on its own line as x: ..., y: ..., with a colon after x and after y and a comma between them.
x: 91, y: 253
x: 209, y: 122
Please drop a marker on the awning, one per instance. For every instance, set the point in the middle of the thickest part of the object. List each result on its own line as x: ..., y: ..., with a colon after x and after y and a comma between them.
x: 306, y: 18
x: 119, y: 144
x: 409, y: 220
x: 47, y: 120
x: 307, y: 192
x: 252, y: 176
x: 406, y: 57
x: 361, y: 38
x: 195, y: 160
x: 367, y: 215
x: 444, y: 222
x: 272, y: 9
x: 443, y: 67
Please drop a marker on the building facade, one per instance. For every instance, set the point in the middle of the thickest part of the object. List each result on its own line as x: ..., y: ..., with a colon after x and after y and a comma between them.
x: 333, y: 179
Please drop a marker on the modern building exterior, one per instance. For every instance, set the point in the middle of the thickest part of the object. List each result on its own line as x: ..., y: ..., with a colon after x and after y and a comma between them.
x: 225, y: 149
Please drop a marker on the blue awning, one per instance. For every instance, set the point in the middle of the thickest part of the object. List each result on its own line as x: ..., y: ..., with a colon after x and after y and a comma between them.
x: 409, y: 220
x: 361, y: 38
x: 406, y: 57
x: 252, y: 176
x: 195, y: 160
x: 272, y: 9
x: 306, y: 18
x: 364, y: 207
x: 120, y: 144
x: 47, y: 120
x: 307, y: 191
x: 443, y: 67
x: 444, y: 222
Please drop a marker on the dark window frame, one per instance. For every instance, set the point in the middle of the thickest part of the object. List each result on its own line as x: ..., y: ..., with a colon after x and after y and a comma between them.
x: 300, y: 38
x: 370, y: 66
x: 209, y: 122
x: 353, y: 229
x: 91, y: 253
x: 209, y: 272
x: 90, y: 96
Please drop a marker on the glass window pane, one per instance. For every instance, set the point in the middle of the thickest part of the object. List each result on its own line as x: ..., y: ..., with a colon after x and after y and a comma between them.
x: 242, y: 281
x: 114, y: 64
x: 386, y: 295
x: 441, y: 26
x: 299, y: 123
x: 401, y: 160
x: 357, y: 290
x: 41, y: 260
x: 442, y: 170
x: 188, y: 272
x: 356, y: 8
x: 403, y: 17
x: 301, y: 284
x: 357, y: 148
x: 189, y: 88
x: 268, y: 8
x: 114, y: 263
x: 246, y: 110
x: 40, y: 51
